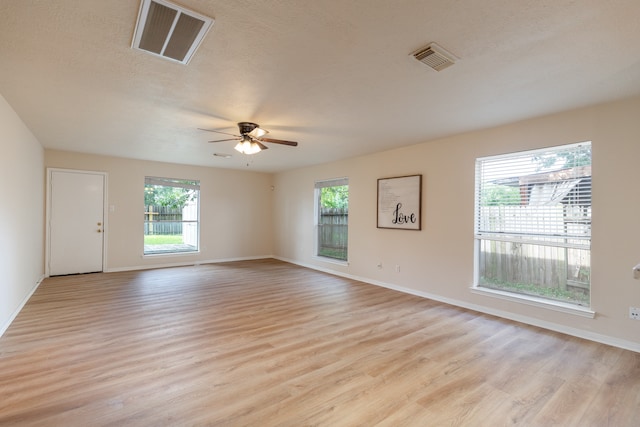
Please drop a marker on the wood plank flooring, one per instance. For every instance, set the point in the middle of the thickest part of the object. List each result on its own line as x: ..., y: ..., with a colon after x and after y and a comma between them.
x: 266, y: 343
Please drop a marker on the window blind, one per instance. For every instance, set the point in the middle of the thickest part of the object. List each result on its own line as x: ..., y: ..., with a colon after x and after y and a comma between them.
x: 170, y: 182
x: 336, y: 182
x: 541, y: 196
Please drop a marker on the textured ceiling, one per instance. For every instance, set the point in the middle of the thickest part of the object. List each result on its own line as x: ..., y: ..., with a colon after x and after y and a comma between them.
x: 335, y: 75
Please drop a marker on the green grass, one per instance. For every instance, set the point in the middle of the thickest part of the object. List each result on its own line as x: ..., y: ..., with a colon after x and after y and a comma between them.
x: 163, y: 239
x: 340, y: 254
x: 574, y: 297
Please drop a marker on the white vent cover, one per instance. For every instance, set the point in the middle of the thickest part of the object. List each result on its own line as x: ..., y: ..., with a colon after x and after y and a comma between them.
x: 435, y: 57
x: 169, y: 31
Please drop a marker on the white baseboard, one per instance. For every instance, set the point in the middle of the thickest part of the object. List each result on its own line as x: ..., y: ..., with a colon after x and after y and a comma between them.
x: 579, y: 333
x: 185, y: 263
x: 9, y: 321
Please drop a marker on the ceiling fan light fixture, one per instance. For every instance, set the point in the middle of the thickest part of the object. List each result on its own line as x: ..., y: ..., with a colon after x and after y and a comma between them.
x: 258, y: 132
x: 247, y: 147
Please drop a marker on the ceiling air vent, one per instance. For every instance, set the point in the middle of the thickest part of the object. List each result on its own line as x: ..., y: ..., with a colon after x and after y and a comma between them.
x: 435, y: 57
x: 169, y: 31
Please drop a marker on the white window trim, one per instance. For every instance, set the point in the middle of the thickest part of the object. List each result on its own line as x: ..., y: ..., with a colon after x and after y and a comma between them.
x: 550, y: 304
x: 170, y: 254
x: 174, y: 182
x: 331, y: 260
x: 560, y: 306
x: 332, y: 182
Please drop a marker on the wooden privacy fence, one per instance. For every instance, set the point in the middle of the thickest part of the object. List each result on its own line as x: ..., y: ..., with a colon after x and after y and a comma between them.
x: 560, y: 260
x: 558, y: 220
x: 332, y: 233
x: 546, y: 266
x: 162, y: 220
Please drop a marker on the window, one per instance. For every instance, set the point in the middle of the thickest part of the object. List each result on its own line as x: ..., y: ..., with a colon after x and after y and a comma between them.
x: 533, y: 223
x: 171, y: 215
x: 332, y: 217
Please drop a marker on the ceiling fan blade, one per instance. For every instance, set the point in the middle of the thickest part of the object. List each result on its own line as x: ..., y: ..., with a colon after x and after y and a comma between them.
x: 228, y: 139
x: 217, y: 131
x: 280, y: 141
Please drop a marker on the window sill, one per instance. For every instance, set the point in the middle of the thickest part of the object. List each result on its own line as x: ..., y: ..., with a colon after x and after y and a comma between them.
x: 161, y: 254
x: 536, y: 302
x: 331, y: 260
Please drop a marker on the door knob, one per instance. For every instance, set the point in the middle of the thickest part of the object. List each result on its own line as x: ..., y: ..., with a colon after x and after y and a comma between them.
x: 99, y: 223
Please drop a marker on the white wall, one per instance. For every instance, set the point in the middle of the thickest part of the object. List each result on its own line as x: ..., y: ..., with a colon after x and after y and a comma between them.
x: 438, y: 261
x: 235, y: 209
x: 238, y: 207
x: 21, y: 213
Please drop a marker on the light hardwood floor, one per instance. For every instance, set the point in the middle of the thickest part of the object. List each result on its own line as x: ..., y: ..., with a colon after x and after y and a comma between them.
x: 266, y: 343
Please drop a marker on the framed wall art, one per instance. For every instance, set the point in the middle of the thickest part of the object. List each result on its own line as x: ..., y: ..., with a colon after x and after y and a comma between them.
x: 400, y: 202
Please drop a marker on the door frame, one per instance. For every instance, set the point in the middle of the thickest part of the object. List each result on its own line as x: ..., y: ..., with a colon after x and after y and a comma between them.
x: 105, y: 214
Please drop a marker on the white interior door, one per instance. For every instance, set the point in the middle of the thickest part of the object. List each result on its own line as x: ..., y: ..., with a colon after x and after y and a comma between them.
x: 76, y: 222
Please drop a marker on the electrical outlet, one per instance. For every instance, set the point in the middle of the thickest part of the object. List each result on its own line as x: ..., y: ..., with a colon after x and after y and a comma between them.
x: 634, y: 313
x: 380, y: 265
x: 397, y: 268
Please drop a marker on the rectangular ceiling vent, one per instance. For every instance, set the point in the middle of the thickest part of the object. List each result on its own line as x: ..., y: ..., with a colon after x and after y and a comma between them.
x: 435, y: 57
x: 170, y: 31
